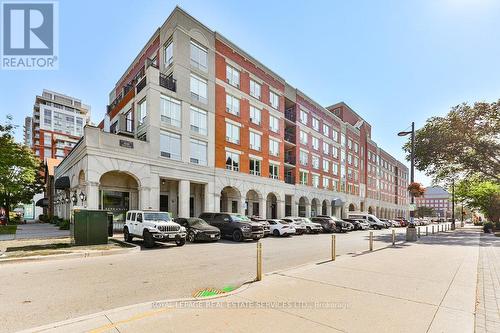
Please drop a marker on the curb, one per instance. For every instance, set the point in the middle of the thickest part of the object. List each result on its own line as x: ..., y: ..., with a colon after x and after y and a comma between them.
x: 83, y: 254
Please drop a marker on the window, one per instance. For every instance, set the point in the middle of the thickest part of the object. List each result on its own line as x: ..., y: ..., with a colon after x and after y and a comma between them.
x: 170, y: 145
x: 304, y: 158
x: 274, y: 124
x: 335, y: 135
x: 274, y: 147
x: 198, y: 120
x: 198, y: 88
x: 142, y: 111
x: 349, y: 143
x: 315, y: 123
x: 255, y: 167
x: 198, y: 152
x: 342, y: 156
x: 326, y: 130
x: 255, y: 140
x: 198, y: 56
x: 303, y: 117
x: 349, y: 158
x: 170, y: 111
x: 273, y: 171
x: 303, y: 137
x: 232, y: 133
x: 232, y: 105
x: 233, y: 76
x: 356, y: 161
x: 342, y: 139
x: 303, y: 177
x: 315, y: 143
x: 232, y: 161
x: 326, y: 148
x: 47, y: 117
x: 326, y: 165
x: 254, y: 89
x: 356, y: 147
x: 47, y: 139
x: 335, y: 169
x: 169, y: 53
x: 315, y: 180
x: 129, y: 121
x: 274, y: 100
x: 315, y: 162
x: 326, y: 182
x: 255, y: 115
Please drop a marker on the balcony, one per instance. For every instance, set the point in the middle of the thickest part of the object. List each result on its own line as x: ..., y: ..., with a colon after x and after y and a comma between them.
x: 290, y: 138
x: 291, y: 115
x: 289, y: 179
x: 141, y: 85
x: 168, y: 82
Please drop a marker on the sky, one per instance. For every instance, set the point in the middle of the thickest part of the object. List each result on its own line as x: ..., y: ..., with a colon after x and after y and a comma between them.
x: 393, y: 62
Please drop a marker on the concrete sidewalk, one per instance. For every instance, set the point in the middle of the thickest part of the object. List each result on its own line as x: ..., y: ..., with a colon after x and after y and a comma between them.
x: 429, y: 286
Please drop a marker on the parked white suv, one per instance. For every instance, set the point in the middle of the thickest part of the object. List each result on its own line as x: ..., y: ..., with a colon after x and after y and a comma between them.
x: 153, y: 226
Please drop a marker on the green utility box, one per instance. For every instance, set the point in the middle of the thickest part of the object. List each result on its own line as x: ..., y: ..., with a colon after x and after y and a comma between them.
x: 89, y: 227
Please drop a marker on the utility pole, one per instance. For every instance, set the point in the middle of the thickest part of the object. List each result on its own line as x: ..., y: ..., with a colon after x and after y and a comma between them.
x: 453, y: 204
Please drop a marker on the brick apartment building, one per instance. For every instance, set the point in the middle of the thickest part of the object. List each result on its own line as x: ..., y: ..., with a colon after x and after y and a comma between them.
x: 437, y: 198
x: 197, y: 124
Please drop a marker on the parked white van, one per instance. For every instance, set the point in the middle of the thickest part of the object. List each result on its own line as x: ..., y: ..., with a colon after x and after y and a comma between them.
x: 375, y: 223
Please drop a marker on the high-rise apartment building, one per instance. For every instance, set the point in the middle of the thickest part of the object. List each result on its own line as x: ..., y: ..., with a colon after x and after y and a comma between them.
x: 197, y: 124
x: 56, y: 124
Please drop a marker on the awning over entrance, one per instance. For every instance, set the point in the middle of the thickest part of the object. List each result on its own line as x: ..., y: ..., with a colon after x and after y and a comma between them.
x: 44, y: 202
x: 337, y: 203
x: 62, y: 183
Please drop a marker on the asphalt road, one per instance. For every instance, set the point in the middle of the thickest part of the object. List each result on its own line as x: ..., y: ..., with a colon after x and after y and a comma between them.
x: 37, y: 293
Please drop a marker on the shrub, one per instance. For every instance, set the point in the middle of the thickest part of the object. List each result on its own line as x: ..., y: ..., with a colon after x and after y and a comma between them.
x: 43, y: 218
x: 8, y: 229
x: 488, y: 227
x: 64, y: 225
x: 497, y: 225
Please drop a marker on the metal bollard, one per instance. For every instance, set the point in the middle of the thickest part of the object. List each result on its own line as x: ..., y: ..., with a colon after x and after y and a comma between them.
x: 393, y: 237
x: 426, y: 230
x: 334, y: 247
x: 433, y: 229
x: 371, y: 241
x: 259, y: 261
x: 418, y: 233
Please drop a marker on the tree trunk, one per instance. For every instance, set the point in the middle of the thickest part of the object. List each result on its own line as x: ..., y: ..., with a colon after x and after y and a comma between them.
x: 7, y: 207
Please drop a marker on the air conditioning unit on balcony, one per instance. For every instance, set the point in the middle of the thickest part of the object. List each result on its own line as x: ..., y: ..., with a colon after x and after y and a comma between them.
x: 195, y: 160
x: 165, y: 154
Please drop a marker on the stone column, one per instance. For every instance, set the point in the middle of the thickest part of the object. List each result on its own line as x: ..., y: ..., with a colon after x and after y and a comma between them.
x: 328, y: 208
x: 295, y: 207
x: 210, y: 198
x: 241, y: 206
x: 308, y: 210
x: 92, y: 194
x: 184, y: 194
x: 262, y: 207
x: 280, y: 209
x: 154, y: 193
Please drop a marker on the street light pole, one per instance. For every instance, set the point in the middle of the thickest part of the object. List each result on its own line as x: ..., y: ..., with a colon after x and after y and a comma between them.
x: 453, y: 204
x: 412, y: 171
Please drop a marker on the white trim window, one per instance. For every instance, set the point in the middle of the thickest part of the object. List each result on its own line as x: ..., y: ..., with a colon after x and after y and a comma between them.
x: 233, y: 76
x: 274, y: 171
x: 198, y: 87
x: 315, y: 124
x: 335, y: 152
x: 326, y: 148
x: 326, y: 182
x: 170, y: 110
x: 315, y: 180
x: 142, y: 111
x: 326, y: 166
x: 232, y: 161
x: 198, y: 152
x: 274, y: 100
x: 342, y: 139
x: 198, y: 120
x: 304, y: 158
x: 255, y: 166
x: 326, y: 130
x: 274, y: 147
x: 255, y: 141
x: 315, y: 143
x: 303, y: 175
x: 335, y: 169
x: 274, y: 124
x: 315, y: 162
x: 255, y: 115
x: 232, y: 133
x: 198, y: 56
x: 232, y: 105
x: 335, y: 135
x: 170, y: 145
x: 129, y: 121
x: 303, y: 117
x: 168, y: 53
x: 303, y: 137
x: 255, y: 89
x: 356, y: 147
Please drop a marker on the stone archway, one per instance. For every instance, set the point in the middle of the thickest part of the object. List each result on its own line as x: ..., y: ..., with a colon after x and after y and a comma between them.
x: 230, y: 200
x: 271, y: 206
x: 324, y: 208
x: 315, y: 207
x: 303, y: 203
x: 253, y: 202
x: 352, y: 207
x: 370, y: 210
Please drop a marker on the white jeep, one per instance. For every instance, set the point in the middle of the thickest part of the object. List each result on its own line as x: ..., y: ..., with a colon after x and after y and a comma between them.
x: 153, y: 226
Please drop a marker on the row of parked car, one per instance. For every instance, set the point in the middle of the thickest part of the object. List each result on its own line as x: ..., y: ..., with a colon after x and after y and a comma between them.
x: 153, y: 226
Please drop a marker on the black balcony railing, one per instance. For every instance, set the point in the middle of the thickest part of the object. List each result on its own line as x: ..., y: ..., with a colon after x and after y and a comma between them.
x: 289, y: 179
x: 290, y: 160
x: 290, y: 137
x: 168, y: 82
x: 141, y: 85
x: 290, y: 114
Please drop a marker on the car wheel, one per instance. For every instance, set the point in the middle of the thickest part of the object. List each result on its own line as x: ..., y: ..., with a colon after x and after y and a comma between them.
x: 180, y: 242
x: 237, y: 235
x: 276, y: 233
x: 191, y: 237
x: 309, y: 231
x: 149, y: 241
x: 126, y: 235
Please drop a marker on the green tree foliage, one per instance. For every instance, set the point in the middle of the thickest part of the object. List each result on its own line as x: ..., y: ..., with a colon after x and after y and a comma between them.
x: 465, y: 142
x: 424, y: 211
x: 480, y: 194
x: 20, y: 170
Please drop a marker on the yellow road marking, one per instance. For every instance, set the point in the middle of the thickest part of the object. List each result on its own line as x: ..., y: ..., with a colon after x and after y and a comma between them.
x: 131, y: 319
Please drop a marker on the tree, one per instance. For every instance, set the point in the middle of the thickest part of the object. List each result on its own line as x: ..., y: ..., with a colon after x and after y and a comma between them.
x: 424, y: 211
x: 20, y: 170
x: 465, y: 142
x: 480, y: 194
